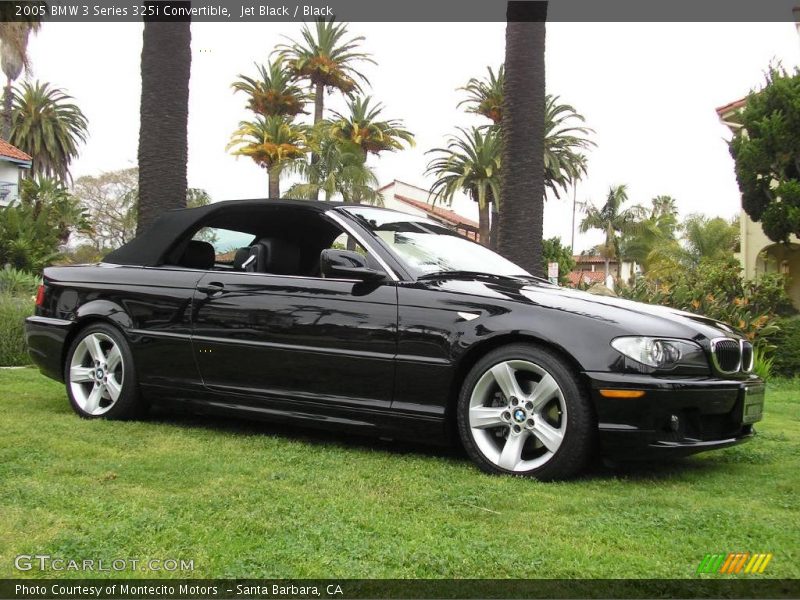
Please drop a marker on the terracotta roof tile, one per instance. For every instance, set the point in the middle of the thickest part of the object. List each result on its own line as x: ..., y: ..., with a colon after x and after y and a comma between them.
x: 10, y: 151
x: 586, y: 277
x: 585, y: 258
x: 723, y: 110
x: 443, y: 213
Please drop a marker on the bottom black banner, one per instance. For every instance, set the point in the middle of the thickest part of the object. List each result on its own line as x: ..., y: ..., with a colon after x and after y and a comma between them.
x: 157, y: 589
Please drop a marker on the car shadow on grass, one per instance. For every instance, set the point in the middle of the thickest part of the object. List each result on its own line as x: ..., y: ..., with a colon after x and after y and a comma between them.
x: 299, y: 433
x: 598, y: 471
x: 642, y: 470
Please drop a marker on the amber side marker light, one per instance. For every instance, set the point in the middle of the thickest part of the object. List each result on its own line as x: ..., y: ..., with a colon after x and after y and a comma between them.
x: 622, y: 393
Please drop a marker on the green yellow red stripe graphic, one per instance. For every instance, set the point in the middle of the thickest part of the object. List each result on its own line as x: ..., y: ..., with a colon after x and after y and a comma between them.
x: 734, y: 563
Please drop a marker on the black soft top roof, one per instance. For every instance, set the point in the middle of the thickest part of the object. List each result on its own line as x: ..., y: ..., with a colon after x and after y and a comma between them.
x: 150, y: 248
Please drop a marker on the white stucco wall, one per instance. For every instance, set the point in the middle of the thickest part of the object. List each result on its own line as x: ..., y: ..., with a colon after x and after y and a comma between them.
x: 760, y: 255
x: 9, y: 174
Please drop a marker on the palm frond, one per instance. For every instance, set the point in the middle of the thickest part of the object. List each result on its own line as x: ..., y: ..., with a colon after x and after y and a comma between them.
x: 326, y: 57
x: 48, y: 126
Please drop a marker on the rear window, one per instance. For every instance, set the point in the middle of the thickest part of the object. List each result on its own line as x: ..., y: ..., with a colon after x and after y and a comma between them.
x: 225, y: 241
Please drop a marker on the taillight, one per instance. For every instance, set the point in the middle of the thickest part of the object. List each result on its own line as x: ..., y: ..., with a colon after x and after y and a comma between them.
x: 40, y: 295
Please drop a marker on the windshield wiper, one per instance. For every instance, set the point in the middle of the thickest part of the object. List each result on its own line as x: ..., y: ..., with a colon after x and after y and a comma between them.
x: 460, y: 274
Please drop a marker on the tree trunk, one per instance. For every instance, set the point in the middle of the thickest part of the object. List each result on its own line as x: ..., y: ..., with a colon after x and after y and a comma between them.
x: 522, y: 185
x: 483, y: 224
x: 274, y: 175
x: 7, y: 110
x: 166, y: 65
x: 319, y: 106
x: 319, y: 102
x: 493, y: 228
x: 605, y: 275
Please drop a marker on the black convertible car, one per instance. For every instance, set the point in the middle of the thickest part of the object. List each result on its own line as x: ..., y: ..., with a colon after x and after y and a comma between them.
x: 373, y: 321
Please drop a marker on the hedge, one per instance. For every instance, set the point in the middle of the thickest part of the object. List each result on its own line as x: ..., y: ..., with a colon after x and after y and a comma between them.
x: 13, y: 310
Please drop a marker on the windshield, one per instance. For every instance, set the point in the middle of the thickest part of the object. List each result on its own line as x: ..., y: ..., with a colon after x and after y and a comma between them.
x: 425, y: 247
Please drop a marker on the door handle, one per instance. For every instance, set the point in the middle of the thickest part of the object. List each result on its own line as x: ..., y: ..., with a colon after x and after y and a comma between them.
x: 212, y: 288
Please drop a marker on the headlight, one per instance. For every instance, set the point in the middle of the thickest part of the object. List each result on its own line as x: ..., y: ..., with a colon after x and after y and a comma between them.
x: 661, y: 353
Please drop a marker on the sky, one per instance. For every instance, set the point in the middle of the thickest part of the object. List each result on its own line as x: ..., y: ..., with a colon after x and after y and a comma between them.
x: 649, y: 91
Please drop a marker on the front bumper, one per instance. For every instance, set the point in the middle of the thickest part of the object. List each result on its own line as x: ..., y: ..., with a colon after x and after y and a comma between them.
x: 675, y: 417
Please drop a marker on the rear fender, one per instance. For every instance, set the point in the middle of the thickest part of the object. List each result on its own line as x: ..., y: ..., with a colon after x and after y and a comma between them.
x: 105, y: 310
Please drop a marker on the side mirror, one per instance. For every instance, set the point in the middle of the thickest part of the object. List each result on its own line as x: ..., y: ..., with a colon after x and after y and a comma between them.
x: 345, y: 264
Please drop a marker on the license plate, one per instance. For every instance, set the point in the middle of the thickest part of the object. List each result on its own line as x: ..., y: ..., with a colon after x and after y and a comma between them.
x: 753, y: 403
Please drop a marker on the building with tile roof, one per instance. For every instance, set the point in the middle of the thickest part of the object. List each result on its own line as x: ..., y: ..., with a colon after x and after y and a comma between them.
x: 415, y: 200
x: 758, y: 254
x: 13, y: 162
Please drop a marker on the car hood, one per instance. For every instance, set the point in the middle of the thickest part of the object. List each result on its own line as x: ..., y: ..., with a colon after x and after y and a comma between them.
x: 628, y: 316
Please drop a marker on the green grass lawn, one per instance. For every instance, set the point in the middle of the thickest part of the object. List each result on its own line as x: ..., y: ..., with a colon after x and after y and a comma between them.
x: 254, y: 500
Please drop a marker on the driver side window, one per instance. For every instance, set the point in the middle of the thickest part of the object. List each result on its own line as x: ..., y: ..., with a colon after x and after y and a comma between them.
x: 345, y: 241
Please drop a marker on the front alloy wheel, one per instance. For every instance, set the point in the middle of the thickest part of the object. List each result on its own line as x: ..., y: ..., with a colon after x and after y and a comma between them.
x: 522, y: 411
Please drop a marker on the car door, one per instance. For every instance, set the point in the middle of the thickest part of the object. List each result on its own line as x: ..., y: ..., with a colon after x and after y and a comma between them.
x: 271, y: 337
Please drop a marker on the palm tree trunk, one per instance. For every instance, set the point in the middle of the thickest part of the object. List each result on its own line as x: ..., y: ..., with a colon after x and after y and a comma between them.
x: 319, y: 107
x: 274, y: 175
x: 605, y: 277
x: 166, y: 65
x: 483, y: 224
x: 356, y: 198
x: 8, y: 108
x: 494, y: 226
x: 319, y: 102
x: 522, y: 185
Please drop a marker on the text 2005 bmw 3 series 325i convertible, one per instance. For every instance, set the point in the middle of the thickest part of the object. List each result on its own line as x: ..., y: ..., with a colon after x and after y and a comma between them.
x: 373, y: 321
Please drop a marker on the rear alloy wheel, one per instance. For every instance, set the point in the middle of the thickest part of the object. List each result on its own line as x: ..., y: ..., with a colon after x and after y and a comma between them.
x: 100, y: 375
x: 522, y: 411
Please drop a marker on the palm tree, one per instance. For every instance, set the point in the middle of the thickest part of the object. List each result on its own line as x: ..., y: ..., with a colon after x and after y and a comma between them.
x: 703, y: 239
x: 614, y: 220
x: 664, y: 207
x: 523, y: 186
x: 469, y: 164
x: 485, y: 96
x: 565, y: 141
x: 652, y: 234
x: 272, y: 93
x: 341, y: 169
x: 363, y: 128
x: 326, y: 59
x: 565, y: 136
x: 164, y: 113
x: 710, y: 238
x: 272, y: 143
x: 48, y: 126
x: 14, y: 36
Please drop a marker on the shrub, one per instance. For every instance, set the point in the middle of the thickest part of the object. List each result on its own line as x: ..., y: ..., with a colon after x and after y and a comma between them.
x: 553, y: 251
x: 717, y: 289
x: 13, y: 349
x: 763, y: 364
x: 17, y: 283
x: 787, y: 353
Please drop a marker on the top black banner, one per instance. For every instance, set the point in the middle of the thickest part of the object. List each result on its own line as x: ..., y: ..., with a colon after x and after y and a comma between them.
x: 226, y: 11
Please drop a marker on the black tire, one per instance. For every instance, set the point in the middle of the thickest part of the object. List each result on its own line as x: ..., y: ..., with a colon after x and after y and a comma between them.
x: 128, y: 404
x: 578, y: 432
